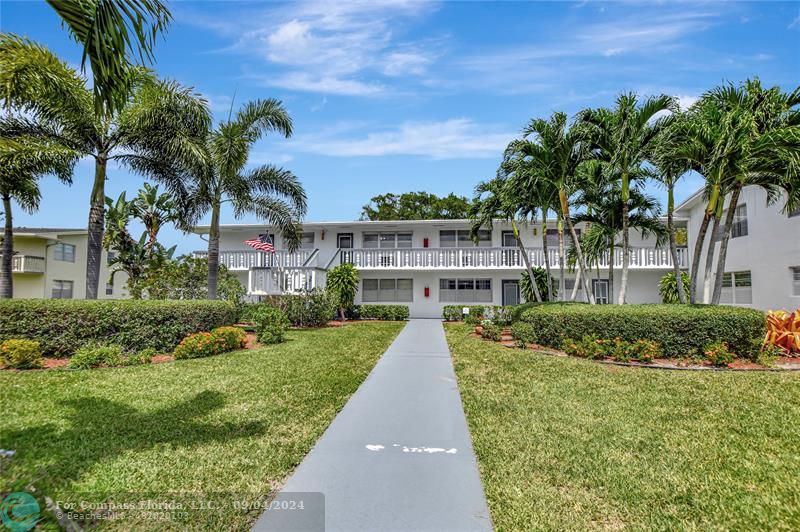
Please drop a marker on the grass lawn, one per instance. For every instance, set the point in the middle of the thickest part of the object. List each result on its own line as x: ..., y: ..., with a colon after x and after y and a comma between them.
x: 219, y: 429
x: 570, y: 444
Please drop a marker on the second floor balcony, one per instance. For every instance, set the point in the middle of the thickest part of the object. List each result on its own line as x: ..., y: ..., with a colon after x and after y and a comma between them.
x: 27, y: 264
x: 494, y: 258
x: 243, y: 260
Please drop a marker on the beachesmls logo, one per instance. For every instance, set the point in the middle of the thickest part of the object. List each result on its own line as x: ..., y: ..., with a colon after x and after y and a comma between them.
x: 19, y: 511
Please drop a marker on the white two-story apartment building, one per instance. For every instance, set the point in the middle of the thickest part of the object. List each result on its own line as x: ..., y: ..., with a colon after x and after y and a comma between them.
x: 432, y: 263
x: 425, y: 264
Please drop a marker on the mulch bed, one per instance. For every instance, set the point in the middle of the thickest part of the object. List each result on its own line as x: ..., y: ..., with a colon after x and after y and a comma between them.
x: 781, y: 364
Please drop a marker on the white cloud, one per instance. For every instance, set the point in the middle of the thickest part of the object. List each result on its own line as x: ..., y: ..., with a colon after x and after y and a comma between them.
x: 457, y: 138
x: 795, y: 23
x: 332, y: 47
x: 685, y: 101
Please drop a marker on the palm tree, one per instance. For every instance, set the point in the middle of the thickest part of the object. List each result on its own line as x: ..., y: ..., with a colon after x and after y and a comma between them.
x: 604, y: 220
x: 770, y: 150
x: 154, y: 210
x: 495, y: 200
x: 669, y: 168
x: 271, y: 193
x: 623, y: 137
x: 158, y: 133
x: 104, y: 29
x: 556, y: 153
x: 22, y: 162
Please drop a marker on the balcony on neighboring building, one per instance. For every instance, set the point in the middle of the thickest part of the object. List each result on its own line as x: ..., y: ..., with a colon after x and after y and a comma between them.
x: 27, y: 264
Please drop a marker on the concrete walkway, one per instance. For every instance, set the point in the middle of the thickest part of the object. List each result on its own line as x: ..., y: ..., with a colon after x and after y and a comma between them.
x: 397, y: 457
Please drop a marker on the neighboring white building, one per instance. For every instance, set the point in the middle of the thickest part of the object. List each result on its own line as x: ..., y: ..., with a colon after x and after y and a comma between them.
x: 425, y: 264
x: 51, y: 263
x: 762, y: 268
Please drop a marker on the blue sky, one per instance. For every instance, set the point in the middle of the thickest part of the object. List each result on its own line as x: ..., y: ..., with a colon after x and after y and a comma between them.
x: 401, y: 96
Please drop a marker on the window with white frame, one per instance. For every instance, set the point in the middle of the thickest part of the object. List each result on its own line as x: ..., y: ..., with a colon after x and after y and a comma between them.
x: 737, y: 288
x: 64, y: 252
x: 552, y: 237
x: 569, y: 284
x: 62, y: 289
x: 387, y: 239
x: 387, y: 290
x: 465, y: 290
x: 109, y: 289
x: 306, y: 241
x: 795, y: 280
x: 508, y: 240
x: 460, y: 238
x: 738, y: 226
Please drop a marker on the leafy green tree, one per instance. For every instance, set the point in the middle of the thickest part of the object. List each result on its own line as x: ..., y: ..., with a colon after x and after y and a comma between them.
x: 416, y: 206
x: 104, y: 28
x: 342, y: 281
x: 622, y: 137
x: 158, y: 132
x: 271, y: 193
x: 187, y: 278
x: 544, y: 285
x: 668, y: 287
x: 22, y: 162
x: 154, y: 209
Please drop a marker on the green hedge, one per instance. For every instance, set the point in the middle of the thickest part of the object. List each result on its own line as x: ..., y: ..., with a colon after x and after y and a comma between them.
x: 63, y: 326
x: 477, y: 313
x: 383, y: 312
x: 680, y: 330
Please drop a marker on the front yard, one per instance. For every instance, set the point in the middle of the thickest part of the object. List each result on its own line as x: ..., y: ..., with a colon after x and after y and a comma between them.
x: 215, y: 434
x: 564, y: 443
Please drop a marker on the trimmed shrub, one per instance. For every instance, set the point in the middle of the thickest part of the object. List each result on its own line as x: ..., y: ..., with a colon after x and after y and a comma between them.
x: 234, y: 337
x: 490, y: 331
x: 719, y: 354
x: 21, y: 354
x: 310, y: 309
x: 145, y: 356
x: 60, y: 326
x: 452, y: 313
x: 271, y: 325
x: 595, y: 348
x: 680, y: 330
x: 476, y: 315
x: 96, y: 355
x: 589, y: 346
x: 198, y: 345
x: 523, y: 333
x: 384, y: 312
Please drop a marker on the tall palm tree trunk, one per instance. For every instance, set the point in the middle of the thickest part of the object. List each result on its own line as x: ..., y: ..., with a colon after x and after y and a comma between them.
x: 581, y: 264
x: 698, y: 251
x: 723, y: 248
x: 673, y: 249
x: 527, y: 260
x: 626, y: 247
x: 698, y: 245
x: 578, y: 281
x: 6, y: 276
x: 213, y: 251
x: 710, y: 260
x: 611, y: 258
x: 561, y: 281
x: 546, y: 252
x: 94, y: 246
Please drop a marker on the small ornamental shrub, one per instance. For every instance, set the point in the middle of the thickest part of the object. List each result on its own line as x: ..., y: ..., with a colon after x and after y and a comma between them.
x: 342, y: 283
x: 475, y: 316
x: 680, y: 330
x: 643, y: 350
x: 61, y: 324
x: 384, y: 312
x: 523, y: 333
x: 769, y: 354
x: 590, y: 346
x: 21, y: 354
x: 271, y: 325
x: 719, y: 354
x: 783, y: 330
x: 145, y: 356
x: 234, y: 337
x: 452, y: 313
x: 96, y: 355
x: 542, y: 281
x: 500, y: 315
x: 198, y: 345
x: 490, y: 331
x: 668, y: 287
x: 309, y: 309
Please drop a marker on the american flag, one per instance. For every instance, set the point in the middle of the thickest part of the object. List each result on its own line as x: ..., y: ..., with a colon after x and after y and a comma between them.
x: 262, y: 243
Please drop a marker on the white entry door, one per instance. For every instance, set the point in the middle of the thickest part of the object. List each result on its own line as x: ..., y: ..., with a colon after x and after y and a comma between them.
x: 511, y: 293
x: 600, y: 291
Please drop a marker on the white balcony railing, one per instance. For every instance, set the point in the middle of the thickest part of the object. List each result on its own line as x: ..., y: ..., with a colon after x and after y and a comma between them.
x: 27, y: 264
x: 249, y: 259
x: 492, y: 258
x: 272, y: 281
